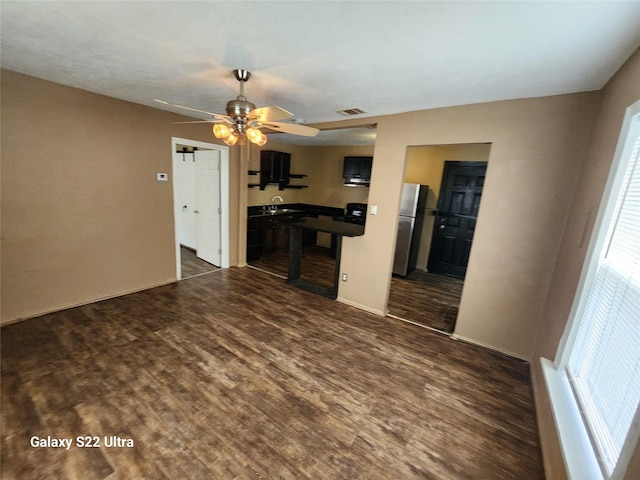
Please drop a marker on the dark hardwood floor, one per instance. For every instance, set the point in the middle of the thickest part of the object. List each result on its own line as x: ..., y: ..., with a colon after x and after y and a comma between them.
x: 426, y: 298
x: 236, y: 375
x: 316, y: 264
x: 192, y: 265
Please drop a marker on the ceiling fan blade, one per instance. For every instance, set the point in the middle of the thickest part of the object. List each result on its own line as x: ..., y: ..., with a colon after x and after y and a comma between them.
x: 269, y: 114
x: 196, y: 121
x: 215, y: 115
x: 292, y: 128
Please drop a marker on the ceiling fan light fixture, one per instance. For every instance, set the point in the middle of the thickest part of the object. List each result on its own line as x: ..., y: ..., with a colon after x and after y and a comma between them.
x: 256, y: 136
x: 262, y: 140
x: 243, y: 120
x: 231, y: 139
x: 221, y: 131
x: 253, y: 134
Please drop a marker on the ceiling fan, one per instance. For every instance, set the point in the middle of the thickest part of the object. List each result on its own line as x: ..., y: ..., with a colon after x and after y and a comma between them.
x: 243, y: 119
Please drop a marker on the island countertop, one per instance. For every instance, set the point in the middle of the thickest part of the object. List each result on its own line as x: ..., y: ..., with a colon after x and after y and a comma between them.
x: 330, y: 226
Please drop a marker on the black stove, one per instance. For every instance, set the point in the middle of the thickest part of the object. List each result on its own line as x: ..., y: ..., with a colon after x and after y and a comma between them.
x: 354, y: 213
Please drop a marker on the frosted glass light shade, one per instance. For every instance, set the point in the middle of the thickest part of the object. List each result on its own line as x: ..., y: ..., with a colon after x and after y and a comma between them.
x: 256, y: 136
x: 231, y: 139
x: 221, y: 131
x: 262, y: 140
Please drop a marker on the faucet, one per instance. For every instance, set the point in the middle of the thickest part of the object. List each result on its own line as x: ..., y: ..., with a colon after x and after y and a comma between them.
x: 273, y: 202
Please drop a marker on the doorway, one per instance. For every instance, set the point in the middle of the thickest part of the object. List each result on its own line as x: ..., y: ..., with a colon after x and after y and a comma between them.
x: 201, y: 206
x: 429, y: 294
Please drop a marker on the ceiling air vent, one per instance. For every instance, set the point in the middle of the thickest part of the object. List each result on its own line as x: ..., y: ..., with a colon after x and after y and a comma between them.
x: 351, y: 111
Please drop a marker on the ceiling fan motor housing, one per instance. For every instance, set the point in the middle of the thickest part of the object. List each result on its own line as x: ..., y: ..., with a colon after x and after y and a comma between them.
x: 238, y: 109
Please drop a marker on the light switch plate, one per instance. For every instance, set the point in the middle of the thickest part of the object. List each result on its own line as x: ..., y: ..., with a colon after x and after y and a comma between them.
x: 374, y: 210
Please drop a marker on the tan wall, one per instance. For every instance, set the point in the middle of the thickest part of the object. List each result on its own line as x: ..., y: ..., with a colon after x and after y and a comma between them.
x: 326, y: 185
x: 425, y: 165
x: 83, y: 217
x: 537, y: 145
x: 621, y: 91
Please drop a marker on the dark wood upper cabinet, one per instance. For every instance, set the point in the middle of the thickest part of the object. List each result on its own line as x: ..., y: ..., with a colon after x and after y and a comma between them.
x: 357, y: 169
x: 274, y: 167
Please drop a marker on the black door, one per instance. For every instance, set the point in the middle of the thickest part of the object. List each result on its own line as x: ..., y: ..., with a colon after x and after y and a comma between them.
x: 456, y: 217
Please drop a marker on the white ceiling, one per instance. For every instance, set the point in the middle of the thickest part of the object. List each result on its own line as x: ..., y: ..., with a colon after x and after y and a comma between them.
x: 315, y: 57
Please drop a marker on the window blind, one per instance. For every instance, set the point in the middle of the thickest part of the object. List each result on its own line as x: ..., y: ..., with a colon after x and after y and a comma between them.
x: 604, y: 364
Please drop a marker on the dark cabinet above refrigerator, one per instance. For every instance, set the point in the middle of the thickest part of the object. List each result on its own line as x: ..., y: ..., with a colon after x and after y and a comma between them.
x: 357, y: 170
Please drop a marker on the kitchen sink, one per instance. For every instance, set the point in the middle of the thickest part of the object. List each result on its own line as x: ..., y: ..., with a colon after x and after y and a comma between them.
x: 279, y: 211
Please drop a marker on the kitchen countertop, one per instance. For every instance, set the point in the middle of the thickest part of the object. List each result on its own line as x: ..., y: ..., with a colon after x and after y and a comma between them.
x: 330, y: 226
x: 277, y: 213
x: 302, y: 209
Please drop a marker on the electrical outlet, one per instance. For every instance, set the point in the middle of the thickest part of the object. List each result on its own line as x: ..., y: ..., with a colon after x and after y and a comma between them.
x: 344, y: 277
x: 162, y: 177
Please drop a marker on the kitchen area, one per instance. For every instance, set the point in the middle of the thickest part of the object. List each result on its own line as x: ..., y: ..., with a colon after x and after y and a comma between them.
x: 304, y: 193
x: 302, y: 202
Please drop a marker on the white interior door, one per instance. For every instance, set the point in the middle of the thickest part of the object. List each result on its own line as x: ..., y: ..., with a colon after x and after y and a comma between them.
x: 186, y: 197
x: 208, y: 206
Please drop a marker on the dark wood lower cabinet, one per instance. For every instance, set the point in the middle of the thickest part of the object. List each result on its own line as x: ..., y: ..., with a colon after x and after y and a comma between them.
x: 269, y: 237
x: 268, y: 234
x: 254, y: 242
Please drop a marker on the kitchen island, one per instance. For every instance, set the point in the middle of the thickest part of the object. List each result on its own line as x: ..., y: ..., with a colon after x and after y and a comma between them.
x: 267, y: 230
x: 339, y: 230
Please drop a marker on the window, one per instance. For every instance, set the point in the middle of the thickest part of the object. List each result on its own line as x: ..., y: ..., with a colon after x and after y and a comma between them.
x: 601, y: 349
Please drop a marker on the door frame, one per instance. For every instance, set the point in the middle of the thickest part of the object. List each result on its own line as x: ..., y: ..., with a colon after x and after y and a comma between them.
x: 224, y: 197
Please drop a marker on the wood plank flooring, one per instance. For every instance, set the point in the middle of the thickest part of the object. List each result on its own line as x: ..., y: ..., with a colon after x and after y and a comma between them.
x: 236, y: 375
x: 426, y: 298
x: 421, y: 297
x: 192, y: 265
x: 316, y: 264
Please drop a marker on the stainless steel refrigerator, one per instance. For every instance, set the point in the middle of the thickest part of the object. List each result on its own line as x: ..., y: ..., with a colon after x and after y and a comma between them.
x: 412, y: 207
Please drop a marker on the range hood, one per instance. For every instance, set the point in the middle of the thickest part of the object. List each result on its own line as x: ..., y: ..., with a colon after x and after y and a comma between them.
x: 356, y: 182
x: 357, y: 171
